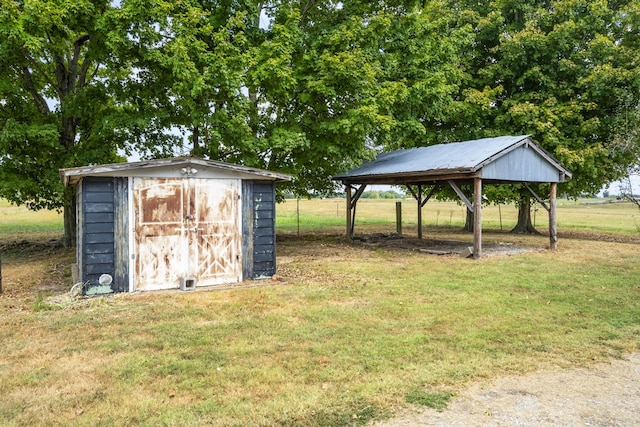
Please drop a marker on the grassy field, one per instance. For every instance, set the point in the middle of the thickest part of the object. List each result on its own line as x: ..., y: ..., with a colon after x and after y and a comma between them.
x: 590, y: 215
x: 18, y: 222
x: 347, y: 333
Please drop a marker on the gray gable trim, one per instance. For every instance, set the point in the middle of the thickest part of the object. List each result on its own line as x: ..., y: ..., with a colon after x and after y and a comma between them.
x: 458, y: 160
x: 72, y: 176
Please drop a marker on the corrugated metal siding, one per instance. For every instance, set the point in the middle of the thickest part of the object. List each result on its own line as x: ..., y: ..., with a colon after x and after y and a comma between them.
x: 466, y: 158
x: 98, y: 225
x: 442, y: 157
x: 521, y: 164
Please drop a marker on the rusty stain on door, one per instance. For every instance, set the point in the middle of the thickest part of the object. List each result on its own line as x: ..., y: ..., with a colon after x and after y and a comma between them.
x: 186, y: 228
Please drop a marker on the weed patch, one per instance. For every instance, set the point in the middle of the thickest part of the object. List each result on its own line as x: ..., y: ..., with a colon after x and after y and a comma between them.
x: 437, y: 401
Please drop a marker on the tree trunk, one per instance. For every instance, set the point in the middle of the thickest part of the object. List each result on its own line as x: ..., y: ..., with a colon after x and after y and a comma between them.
x: 196, y: 139
x: 524, y: 225
x: 468, y: 223
x: 69, y: 215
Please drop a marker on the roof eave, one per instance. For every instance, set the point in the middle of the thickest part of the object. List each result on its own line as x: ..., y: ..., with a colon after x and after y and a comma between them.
x: 71, y: 176
x: 408, y: 177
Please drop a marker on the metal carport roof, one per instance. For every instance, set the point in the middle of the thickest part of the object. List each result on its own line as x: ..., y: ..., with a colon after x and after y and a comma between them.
x: 500, y: 159
x: 504, y: 159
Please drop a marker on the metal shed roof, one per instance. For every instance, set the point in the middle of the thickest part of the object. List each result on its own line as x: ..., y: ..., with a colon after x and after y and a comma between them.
x: 501, y: 159
x: 71, y: 176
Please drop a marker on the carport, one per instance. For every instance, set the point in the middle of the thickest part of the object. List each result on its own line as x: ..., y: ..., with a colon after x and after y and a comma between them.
x: 500, y: 160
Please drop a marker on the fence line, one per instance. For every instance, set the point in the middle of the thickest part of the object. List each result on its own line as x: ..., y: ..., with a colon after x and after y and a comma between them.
x: 330, y: 214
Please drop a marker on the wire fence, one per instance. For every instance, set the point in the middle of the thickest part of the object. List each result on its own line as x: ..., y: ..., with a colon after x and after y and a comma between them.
x: 329, y: 215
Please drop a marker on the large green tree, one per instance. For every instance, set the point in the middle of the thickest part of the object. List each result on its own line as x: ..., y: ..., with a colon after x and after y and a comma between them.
x: 300, y: 94
x: 50, y: 59
x: 57, y: 99
x: 564, y: 71
x: 70, y: 95
x: 305, y: 87
x: 309, y: 87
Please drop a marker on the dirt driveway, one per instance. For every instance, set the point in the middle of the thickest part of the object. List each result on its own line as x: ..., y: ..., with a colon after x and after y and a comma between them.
x: 602, y: 395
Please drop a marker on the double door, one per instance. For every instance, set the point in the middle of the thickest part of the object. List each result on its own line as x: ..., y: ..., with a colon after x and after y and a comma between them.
x: 186, y: 228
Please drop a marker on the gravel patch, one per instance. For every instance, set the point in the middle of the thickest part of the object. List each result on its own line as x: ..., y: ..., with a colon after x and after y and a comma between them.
x: 606, y: 394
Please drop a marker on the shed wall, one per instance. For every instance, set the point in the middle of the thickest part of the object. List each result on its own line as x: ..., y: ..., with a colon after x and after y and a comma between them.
x: 104, y: 223
x: 264, y: 232
x: 258, y: 231
x: 100, y: 217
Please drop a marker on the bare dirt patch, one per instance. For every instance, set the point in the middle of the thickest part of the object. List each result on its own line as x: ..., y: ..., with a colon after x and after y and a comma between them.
x: 33, y: 268
x: 606, y: 394
x: 440, y: 246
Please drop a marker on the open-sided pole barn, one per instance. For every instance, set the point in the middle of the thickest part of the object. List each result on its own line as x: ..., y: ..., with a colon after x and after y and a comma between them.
x: 501, y: 160
x: 176, y: 223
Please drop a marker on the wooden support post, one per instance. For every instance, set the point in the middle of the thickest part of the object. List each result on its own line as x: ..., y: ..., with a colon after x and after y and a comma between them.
x: 348, y: 210
x: 477, y: 218
x: 553, y: 225
x: 399, y: 218
x: 419, y: 211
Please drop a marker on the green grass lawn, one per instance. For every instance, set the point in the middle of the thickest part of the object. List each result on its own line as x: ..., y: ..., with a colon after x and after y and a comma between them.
x: 348, y: 334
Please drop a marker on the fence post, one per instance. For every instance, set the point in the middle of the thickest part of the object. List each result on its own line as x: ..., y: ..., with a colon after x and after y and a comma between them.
x: 298, y: 214
x: 399, y: 218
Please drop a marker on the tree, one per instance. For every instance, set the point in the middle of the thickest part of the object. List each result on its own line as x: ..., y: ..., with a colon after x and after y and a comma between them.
x: 422, y: 53
x: 51, y: 94
x: 315, y: 80
x: 71, y: 95
x: 560, y: 71
x: 628, y: 141
x: 296, y: 93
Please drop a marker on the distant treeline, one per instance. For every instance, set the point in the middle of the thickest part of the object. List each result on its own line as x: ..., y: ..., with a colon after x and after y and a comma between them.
x: 388, y: 194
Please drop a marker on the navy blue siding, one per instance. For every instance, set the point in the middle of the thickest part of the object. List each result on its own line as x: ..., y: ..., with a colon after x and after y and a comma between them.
x: 97, y: 229
x: 264, y: 231
x: 258, y: 230
x: 102, y: 201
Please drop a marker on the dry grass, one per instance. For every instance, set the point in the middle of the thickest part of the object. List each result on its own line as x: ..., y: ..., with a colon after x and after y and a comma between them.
x: 348, y: 334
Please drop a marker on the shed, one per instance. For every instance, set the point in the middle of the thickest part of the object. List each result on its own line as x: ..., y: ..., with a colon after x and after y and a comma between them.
x: 500, y: 160
x: 177, y: 223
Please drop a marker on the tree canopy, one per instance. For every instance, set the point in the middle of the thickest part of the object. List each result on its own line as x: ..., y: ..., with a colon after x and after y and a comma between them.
x: 309, y: 87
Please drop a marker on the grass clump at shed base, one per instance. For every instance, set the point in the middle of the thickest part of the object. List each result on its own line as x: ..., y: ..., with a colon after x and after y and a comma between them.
x: 348, y: 334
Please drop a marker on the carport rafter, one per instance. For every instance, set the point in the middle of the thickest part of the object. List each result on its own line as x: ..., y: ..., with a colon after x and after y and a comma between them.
x: 352, y: 202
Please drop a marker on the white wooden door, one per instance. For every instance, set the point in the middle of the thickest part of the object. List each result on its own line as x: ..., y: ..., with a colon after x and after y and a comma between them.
x: 216, y: 245
x: 186, y: 228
